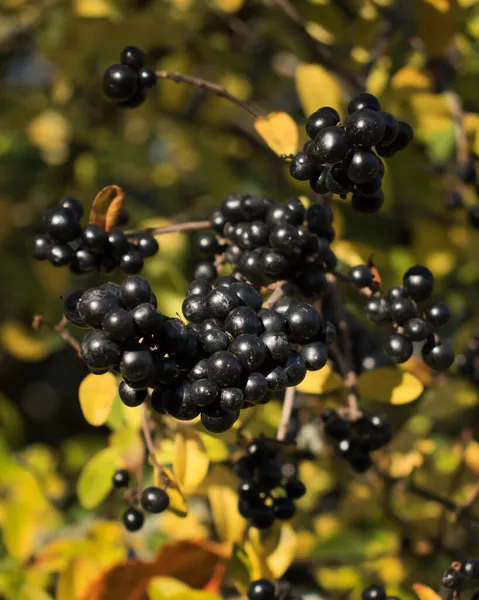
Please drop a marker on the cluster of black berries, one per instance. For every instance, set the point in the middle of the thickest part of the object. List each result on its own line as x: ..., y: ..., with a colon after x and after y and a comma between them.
x: 339, y: 158
x: 458, y: 573
x: 357, y: 439
x: 267, y: 242
x: 62, y: 241
x: 269, y: 487
x: 231, y: 355
x: 153, y: 500
x: 376, y: 592
x: 126, y: 84
x: 413, y: 323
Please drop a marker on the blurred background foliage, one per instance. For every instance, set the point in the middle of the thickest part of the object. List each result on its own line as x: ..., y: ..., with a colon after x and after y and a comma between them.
x: 176, y: 157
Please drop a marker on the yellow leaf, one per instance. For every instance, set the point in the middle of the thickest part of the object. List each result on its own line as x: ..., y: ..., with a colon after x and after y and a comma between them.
x: 216, y: 448
x: 320, y: 382
x: 283, y: 555
x: 161, y: 588
x: 107, y: 206
x: 438, y: 22
x: 190, y: 462
x: 425, y: 593
x: 75, y: 579
x: 410, y: 80
x: 317, y: 87
x: 471, y: 457
x: 97, y: 394
x: 94, y: 482
x: 50, y: 131
x: 94, y: 9
x: 229, y: 6
x: 23, y: 344
x: 279, y: 131
x: 388, y: 384
x: 229, y: 524
x: 177, y: 501
x: 129, y: 446
x: 432, y: 112
x: 349, y: 252
x: 402, y: 464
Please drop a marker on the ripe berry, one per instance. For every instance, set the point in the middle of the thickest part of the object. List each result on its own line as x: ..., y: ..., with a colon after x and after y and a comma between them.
x: 416, y: 329
x: 248, y: 295
x: 337, y: 180
x: 284, y: 509
x: 261, y: 589
x: 319, y: 217
x: 133, y: 519
x: 120, y: 82
x: 231, y: 399
x: 224, y: 369
x: 147, y: 78
x: 62, y: 224
x: 371, y: 188
x: 137, y: 364
x: 134, y: 290
x: 178, y: 402
x: 365, y: 127
x: 318, y: 182
x: 242, y: 320
x: 220, y: 302
x: 84, y: 260
x: 295, y: 369
x: 41, y: 247
x: 277, y: 345
x: 94, y: 237
x: 401, y: 310
x: 277, y: 379
x: 361, y: 276
x: 331, y: 145
x: 315, y: 355
x: 377, y: 310
x: 404, y: 137
x: 303, y: 321
x: 194, y: 309
x: 438, y: 356
x: 418, y: 282
x: 70, y: 309
x: 72, y: 204
x: 274, y: 263
x: 398, y: 348
x: 133, y: 57
x: 129, y: 396
x: 452, y: 579
x: 363, y: 100
x: 438, y: 314
x: 216, y: 419
x: 301, y: 167
x: 146, y: 245
x: 60, y: 255
x: 363, y: 166
x: 203, y: 392
x: 199, y: 287
x: 368, y: 205
x: 470, y: 569
x: 154, y: 500
x: 324, y: 117
x: 249, y: 350
x: 131, y: 262
x: 284, y: 238
x: 391, y: 128
x: 94, y: 304
x: 295, y: 488
x: 262, y: 517
x: 118, y: 324
x: 374, y: 592
x: 395, y: 292
x: 256, y: 388
x: 121, y: 478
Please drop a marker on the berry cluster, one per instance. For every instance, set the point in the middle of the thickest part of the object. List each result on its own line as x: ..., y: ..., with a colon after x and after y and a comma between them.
x: 454, y: 577
x: 127, y: 83
x: 267, y: 242
x: 152, y: 499
x: 267, y: 491
x: 413, y: 323
x: 339, y: 158
x: 376, y: 592
x: 62, y: 241
x: 231, y: 355
x: 357, y: 439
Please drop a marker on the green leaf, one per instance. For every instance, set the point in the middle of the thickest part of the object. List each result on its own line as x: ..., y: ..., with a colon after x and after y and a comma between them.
x: 95, y: 479
x: 240, y: 568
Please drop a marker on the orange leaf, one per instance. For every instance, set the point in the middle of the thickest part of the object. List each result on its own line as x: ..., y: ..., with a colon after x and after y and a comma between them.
x: 197, y: 563
x: 107, y: 206
x: 425, y: 593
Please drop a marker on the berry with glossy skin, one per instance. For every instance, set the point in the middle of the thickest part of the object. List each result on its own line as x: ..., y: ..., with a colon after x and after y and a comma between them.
x: 404, y: 137
x: 203, y: 392
x: 120, y: 82
x: 41, y: 245
x: 262, y: 517
x: 377, y: 310
x: 284, y: 509
x: 418, y: 281
x: 62, y: 224
x: 321, y: 118
x: 94, y: 304
x: 438, y: 314
x: 214, y: 340
x: 284, y: 238
x: 60, y: 255
x: 374, y: 592
x: 277, y: 379
x: 129, y: 396
x: 261, y: 589
x: 272, y: 320
x: 242, y: 320
x: 118, y: 324
x: 131, y: 262
x: 395, y: 292
x: 438, y: 356
x: 470, y: 569
x: 361, y: 276
x: 134, y: 291
x: 363, y: 100
x: 303, y: 321
x: 318, y: 182
x: 295, y: 369
x: 220, y: 302
x: 331, y: 145
x: 398, y: 348
x: 337, y: 180
x: 416, y: 329
x: 256, y: 388
x: 198, y: 287
x: 147, y: 78
x: 146, y: 245
x: 133, y: 57
x: 194, y: 309
x: 401, y: 310
x: 178, y: 402
x: 146, y: 318
x: 248, y: 295
x: 363, y: 166
x: 154, y: 500
x: 70, y: 309
x: 301, y: 168
x: 137, y: 364
x: 277, y: 345
x: 216, y: 419
x: 72, y: 204
x: 274, y: 263
x: 121, y: 478
x: 319, y: 217
x: 365, y: 127
x: 371, y: 188
x: 133, y: 519
x: 452, y: 579
x: 368, y: 205
x: 94, y: 237
x: 224, y: 369
x: 84, y: 260
x: 315, y: 355
x: 250, y: 350
x: 231, y: 399
x: 391, y: 128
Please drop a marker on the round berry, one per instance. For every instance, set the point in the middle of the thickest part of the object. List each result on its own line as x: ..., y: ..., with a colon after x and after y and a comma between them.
x: 361, y: 276
x: 404, y: 137
x: 368, y: 205
x: 256, y: 388
x: 438, y: 356
x: 303, y: 321
x: 94, y: 304
x: 452, y: 579
x: 133, y: 57
x: 147, y: 78
x: 70, y: 309
x: 374, y: 592
x: 220, y: 302
x: 217, y: 420
x: 248, y: 295
x: 295, y: 369
x: 324, y: 117
x: 331, y: 145
x: 118, y: 324
x: 133, y: 519
x: 62, y: 224
x: 154, y: 500
x: 315, y: 355
x: 120, y: 82
x: 129, y: 396
x: 41, y: 245
x: 199, y: 287
x: 131, y: 262
x: 146, y: 245
x: 438, y: 314
x: 94, y: 237
x: 470, y: 569
x: 134, y: 291
x: 250, y: 350
x: 416, y: 329
x: 319, y: 217
x: 365, y: 127
x: 284, y: 508
x: 60, y: 255
x: 318, y: 182
x: 377, y: 310
x: 231, y: 399
x: 242, y: 320
x: 295, y: 488
x: 178, y: 402
x: 194, y: 309
x: 261, y: 589
x: 203, y: 392
x: 363, y: 100
x: 146, y: 318
x: 301, y: 167
x: 418, y: 282
x: 224, y: 369
x: 401, y: 310
x: 121, y: 478
x: 137, y: 364
x: 398, y: 348
x: 72, y: 204
x: 363, y: 166
x: 391, y: 128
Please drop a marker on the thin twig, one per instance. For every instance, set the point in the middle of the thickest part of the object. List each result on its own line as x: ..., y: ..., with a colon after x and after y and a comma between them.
x: 145, y: 426
x: 219, y: 91
x: 173, y: 228
x: 288, y: 404
x: 278, y: 292
x: 39, y: 320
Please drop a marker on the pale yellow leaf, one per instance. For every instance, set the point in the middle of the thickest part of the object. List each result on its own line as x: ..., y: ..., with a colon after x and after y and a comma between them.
x: 75, y: 579
x: 317, y: 87
x: 190, y: 462
x: 320, y: 382
x: 229, y: 6
x: 177, y: 501
x: 279, y: 131
x: 410, y: 79
x: 161, y: 588
x: 97, y: 394
x: 425, y: 593
x: 94, y: 9
x: 388, y: 384
x: 471, y: 457
x: 283, y: 555
x: 94, y: 482
x: 350, y: 253
x: 229, y: 524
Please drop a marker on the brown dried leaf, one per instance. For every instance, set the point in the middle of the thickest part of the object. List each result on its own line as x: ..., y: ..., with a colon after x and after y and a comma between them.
x: 107, y: 206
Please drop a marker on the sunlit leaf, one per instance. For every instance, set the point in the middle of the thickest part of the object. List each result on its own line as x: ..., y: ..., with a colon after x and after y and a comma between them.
x: 107, y: 206
x: 425, y: 593
x: 97, y: 394
x: 191, y: 461
x: 389, y: 385
x: 320, y: 382
x: 283, y: 555
x: 471, y: 457
x: 229, y: 524
x: 177, y: 500
x: 216, y: 448
x: 161, y: 588
x: 229, y: 6
x: 317, y: 87
x: 94, y: 482
x: 94, y: 9
x: 75, y: 579
x: 279, y: 131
